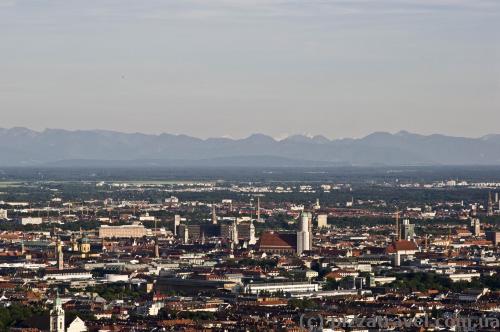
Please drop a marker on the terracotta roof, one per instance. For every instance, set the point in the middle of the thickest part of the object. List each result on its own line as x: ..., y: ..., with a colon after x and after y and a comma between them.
x: 278, y: 240
x: 401, y: 245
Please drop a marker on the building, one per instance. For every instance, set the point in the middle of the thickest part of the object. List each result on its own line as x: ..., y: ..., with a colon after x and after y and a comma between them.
x: 57, y: 316
x: 493, y: 236
x: 285, y: 287
x: 146, y: 217
x: 67, y: 274
x: 246, y: 232
x: 304, y: 234
x: 31, y: 221
x: 177, y: 222
x: 407, y: 230
x: 475, y: 225
x: 3, y: 214
x: 490, y: 205
x: 277, y: 243
x: 253, y: 239
x: 60, y: 255
x: 234, y: 233
x: 401, y: 248
x: 194, y: 286
x: 123, y: 231
x: 184, y: 233
x: 77, y: 325
x: 322, y: 220
x: 214, y: 215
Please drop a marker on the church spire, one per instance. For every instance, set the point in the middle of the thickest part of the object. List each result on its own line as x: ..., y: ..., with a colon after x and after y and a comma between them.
x: 57, y: 316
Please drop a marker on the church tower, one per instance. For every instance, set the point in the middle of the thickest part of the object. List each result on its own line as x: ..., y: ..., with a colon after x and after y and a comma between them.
x: 57, y: 316
x: 252, y: 239
x: 304, y: 234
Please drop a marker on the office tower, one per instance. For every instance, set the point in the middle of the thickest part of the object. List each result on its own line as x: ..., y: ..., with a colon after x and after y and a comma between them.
x: 214, y: 215
x: 177, y: 222
x: 157, y: 249
x: 234, y: 233
x: 398, y: 234
x: 317, y: 206
x: 407, y: 230
x: 475, y: 225
x: 304, y: 234
x: 322, y: 220
x: 246, y: 232
x: 490, y: 205
x: 184, y: 233
x: 493, y: 236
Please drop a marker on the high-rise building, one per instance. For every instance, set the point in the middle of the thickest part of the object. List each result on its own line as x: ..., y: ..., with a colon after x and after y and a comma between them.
x: 490, y: 205
x: 493, y: 236
x: 475, y: 225
x: 157, y: 249
x: 317, y: 206
x: 214, y: 215
x: 184, y: 233
x: 246, y: 232
x: 407, y: 230
x: 57, y: 316
x: 304, y: 234
x: 234, y: 233
x: 177, y: 222
x: 322, y: 220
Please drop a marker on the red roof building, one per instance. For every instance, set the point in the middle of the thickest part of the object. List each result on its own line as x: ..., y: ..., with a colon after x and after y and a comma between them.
x: 277, y: 243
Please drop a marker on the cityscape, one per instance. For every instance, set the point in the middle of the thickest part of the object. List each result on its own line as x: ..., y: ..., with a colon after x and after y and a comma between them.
x: 232, y: 255
x: 249, y: 165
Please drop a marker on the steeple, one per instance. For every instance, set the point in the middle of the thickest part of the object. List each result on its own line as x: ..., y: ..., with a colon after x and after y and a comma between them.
x: 57, y: 316
x: 252, y: 239
x: 304, y: 233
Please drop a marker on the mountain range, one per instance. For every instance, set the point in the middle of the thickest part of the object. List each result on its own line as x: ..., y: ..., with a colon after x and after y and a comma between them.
x: 90, y: 148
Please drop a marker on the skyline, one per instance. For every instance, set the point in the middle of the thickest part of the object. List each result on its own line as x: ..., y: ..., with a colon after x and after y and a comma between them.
x: 21, y: 146
x: 335, y: 68
x: 250, y: 134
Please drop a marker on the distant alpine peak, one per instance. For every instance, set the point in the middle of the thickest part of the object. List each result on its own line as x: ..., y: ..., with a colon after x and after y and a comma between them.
x: 21, y: 146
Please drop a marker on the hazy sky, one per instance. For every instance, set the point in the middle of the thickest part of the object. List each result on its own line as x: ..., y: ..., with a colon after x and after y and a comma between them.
x: 341, y: 68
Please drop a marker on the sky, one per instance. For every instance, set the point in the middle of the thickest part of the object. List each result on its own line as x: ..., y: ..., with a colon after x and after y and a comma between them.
x: 211, y: 68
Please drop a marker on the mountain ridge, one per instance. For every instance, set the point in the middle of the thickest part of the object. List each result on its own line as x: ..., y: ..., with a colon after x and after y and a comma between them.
x: 20, y: 146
